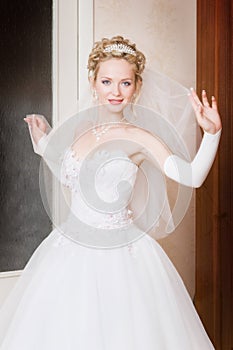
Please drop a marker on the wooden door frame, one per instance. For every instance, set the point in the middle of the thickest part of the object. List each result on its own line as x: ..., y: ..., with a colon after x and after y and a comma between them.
x: 214, y: 228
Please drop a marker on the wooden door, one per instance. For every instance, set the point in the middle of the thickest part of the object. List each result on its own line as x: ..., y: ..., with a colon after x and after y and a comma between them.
x: 214, y: 237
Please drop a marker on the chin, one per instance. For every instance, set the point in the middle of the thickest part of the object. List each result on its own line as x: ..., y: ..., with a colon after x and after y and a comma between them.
x: 115, y: 108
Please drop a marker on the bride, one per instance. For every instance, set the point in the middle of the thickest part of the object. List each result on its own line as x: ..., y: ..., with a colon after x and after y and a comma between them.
x: 99, y: 280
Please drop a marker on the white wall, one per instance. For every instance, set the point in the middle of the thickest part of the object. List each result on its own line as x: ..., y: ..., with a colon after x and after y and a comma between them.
x: 7, y: 282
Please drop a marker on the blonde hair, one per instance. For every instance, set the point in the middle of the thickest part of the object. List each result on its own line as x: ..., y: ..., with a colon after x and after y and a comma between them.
x: 98, y: 55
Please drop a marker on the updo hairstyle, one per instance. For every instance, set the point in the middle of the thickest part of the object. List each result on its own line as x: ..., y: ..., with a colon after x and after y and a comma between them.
x: 98, y: 55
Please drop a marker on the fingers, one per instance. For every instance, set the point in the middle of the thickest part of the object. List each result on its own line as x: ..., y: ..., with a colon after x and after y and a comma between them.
x: 192, y: 100
x: 205, y: 99
x: 35, y: 121
x: 198, y: 106
x: 195, y: 97
x: 40, y: 123
x: 196, y: 103
x: 199, y: 114
x: 196, y: 100
x: 206, y: 102
x: 207, y: 115
x: 28, y: 120
x: 214, y: 103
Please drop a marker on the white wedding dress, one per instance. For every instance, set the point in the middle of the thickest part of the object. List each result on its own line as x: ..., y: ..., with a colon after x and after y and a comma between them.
x: 72, y: 296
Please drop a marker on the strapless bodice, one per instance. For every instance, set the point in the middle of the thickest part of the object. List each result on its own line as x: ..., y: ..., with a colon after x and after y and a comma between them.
x: 101, y: 187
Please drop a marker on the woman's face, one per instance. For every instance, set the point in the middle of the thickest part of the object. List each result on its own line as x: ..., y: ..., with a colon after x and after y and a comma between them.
x: 115, y: 84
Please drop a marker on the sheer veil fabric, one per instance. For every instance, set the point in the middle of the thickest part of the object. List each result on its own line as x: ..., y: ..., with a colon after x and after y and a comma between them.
x: 158, y: 204
x: 100, y: 280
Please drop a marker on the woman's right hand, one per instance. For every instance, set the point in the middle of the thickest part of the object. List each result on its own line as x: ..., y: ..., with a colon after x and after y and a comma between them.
x: 38, y: 126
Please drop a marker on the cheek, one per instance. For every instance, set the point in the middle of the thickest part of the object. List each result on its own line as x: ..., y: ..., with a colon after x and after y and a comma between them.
x: 130, y: 91
x: 101, y: 90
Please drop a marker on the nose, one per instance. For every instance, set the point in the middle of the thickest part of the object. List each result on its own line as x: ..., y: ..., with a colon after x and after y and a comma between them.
x: 115, y: 90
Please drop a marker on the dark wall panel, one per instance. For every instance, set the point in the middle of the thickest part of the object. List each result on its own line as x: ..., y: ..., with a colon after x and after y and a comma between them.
x: 25, y: 87
x: 214, y: 238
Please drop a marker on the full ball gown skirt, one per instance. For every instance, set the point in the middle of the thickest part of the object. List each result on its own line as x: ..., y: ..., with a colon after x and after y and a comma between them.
x: 74, y: 297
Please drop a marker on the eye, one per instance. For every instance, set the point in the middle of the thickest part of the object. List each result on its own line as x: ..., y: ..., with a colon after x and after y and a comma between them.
x: 106, y: 82
x: 126, y: 83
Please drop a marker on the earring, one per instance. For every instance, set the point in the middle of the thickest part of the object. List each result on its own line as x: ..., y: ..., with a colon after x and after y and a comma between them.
x: 134, y: 98
x: 95, y: 96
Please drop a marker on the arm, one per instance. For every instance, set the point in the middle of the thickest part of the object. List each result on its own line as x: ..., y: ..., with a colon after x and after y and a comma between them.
x: 53, y: 144
x: 43, y: 143
x: 192, y: 173
x: 39, y: 130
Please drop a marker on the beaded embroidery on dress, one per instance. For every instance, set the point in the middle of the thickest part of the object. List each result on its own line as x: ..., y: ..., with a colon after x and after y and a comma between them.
x: 73, y: 297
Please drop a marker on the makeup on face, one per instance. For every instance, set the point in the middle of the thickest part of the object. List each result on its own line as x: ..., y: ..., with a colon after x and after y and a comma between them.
x: 115, y: 82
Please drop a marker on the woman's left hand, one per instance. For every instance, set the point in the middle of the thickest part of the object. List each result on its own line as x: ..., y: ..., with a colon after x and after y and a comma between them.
x: 207, y: 116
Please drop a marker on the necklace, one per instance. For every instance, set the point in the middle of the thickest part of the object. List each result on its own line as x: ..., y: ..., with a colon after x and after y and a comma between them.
x: 104, y: 129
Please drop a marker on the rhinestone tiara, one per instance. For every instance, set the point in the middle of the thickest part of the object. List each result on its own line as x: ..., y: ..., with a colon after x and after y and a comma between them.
x: 120, y: 48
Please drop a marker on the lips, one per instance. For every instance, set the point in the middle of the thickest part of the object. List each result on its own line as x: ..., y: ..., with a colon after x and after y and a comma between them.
x: 115, y: 101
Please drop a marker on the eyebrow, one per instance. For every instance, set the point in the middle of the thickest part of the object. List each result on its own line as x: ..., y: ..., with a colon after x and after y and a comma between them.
x: 111, y: 78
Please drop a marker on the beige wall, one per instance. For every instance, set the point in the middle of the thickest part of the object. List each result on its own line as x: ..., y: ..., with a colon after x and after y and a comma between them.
x: 165, y: 31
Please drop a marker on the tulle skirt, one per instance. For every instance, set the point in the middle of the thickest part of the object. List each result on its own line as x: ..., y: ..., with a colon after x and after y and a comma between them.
x: 71, y: 297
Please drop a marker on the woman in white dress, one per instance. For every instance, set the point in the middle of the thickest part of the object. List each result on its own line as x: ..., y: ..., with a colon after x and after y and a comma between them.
x: 98, y: 281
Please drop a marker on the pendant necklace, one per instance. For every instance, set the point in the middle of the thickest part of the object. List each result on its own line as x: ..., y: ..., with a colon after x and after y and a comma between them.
x: 103, y: 130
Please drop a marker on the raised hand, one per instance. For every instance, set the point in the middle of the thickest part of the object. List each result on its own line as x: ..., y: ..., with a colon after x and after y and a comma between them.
x: 207, y: 115
x: 38, y: 126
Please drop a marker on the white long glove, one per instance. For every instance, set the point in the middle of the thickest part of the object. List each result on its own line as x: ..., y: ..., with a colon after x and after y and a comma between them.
x: 46, y: 147
x: 52, y: 154
x: 194, y: 174
x: 41, y: 145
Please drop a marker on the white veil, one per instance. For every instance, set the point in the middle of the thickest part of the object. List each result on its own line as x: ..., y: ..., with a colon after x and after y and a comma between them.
x: 164, y: 109
x: 159, y: 204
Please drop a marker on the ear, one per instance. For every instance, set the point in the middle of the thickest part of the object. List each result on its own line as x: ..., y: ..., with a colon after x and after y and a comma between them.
x: 92, y: 82
x: 138, y: 87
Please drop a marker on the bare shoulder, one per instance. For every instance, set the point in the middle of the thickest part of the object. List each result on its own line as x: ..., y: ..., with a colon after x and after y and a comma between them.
x: 139, y: 133
x: 139, y: 136
x: 150, y: 146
